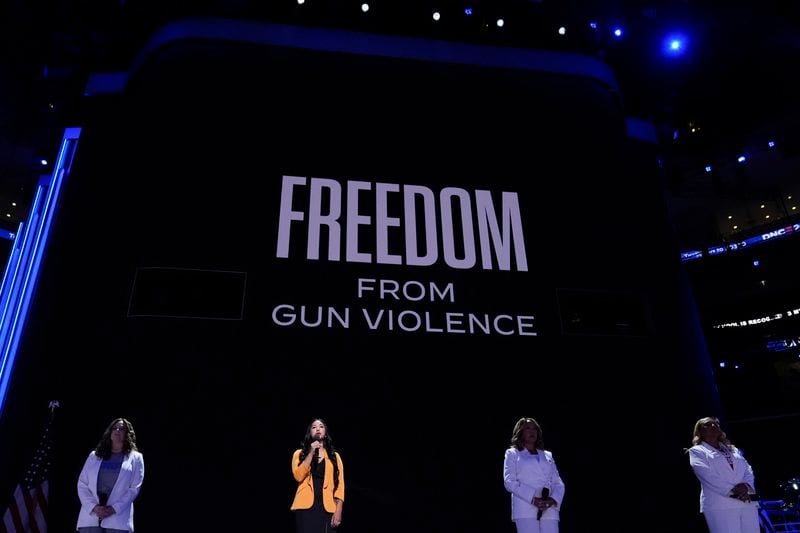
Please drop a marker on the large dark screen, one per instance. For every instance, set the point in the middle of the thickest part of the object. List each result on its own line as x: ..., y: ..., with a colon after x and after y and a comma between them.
x: 414, y: 237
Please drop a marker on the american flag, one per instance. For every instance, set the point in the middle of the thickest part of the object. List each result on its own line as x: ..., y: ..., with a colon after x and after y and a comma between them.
x: 27, y: 512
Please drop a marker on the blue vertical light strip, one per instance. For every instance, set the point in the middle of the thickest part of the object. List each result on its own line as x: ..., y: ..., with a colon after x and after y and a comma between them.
x: 12, y: 269
x: 11, y: 266
x: 12, y: 284
x: 22, y: 271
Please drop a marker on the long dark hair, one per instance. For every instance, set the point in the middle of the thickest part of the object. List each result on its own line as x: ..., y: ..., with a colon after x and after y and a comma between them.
x: 327, y: 443
x: 103, y: 449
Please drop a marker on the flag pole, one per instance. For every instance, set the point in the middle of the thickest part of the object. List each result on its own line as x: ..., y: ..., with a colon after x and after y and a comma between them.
x: 27, y: 511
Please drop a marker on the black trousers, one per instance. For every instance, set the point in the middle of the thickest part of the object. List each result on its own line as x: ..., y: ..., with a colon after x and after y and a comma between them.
x: 314, y: 520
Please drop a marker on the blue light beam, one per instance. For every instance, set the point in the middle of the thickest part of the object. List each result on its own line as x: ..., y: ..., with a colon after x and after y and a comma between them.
x: 22, y: 269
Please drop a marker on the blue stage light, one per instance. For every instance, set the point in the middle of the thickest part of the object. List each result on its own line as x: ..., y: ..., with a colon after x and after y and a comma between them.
x: 22, y: 269
x: 675, y: 45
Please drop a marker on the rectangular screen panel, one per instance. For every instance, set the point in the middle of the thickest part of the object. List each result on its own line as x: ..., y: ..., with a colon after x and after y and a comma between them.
x: 187, y: 293
x: 397, y: 205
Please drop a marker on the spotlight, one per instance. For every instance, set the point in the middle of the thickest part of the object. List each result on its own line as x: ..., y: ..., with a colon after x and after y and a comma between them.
x: 674, y: 45
x: 791, y: 494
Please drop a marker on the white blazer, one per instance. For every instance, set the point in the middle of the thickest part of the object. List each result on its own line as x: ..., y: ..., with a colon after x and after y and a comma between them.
x: 717, y: 478
x: 122, y: 495
x: 524, y: 476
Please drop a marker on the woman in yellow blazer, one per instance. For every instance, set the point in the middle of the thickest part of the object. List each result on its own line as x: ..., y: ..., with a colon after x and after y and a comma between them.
x: 320, y: 482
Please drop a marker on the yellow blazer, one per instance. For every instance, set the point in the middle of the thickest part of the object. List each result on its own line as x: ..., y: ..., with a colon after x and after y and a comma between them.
x: 304, y: 497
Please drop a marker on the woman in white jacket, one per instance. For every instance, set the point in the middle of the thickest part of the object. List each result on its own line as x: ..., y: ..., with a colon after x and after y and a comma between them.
x: 531, y: 476
x: 727, y: 483
x: 110, y: 480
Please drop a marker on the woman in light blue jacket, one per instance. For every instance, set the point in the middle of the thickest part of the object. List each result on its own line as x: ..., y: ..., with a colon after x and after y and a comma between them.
x: 110, y: 480
x: 727, y: 483
x: 531, y: 476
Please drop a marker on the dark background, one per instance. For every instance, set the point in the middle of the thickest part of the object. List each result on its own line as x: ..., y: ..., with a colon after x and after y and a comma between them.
x: 200, y: 139
x: 140, y: 189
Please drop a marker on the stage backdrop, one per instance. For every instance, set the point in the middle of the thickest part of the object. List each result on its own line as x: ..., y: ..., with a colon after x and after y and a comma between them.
x: 418, y: 241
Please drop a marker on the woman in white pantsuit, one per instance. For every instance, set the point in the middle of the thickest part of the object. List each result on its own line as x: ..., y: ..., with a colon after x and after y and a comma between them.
x: 531, y: 476
x: 727, y: 483
x: 110, y: 480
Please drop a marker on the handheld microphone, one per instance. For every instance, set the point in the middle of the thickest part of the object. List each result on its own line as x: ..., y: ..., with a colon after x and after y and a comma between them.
x: 103, y: 498
x: 316, y: 438
x: 545, y: 494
